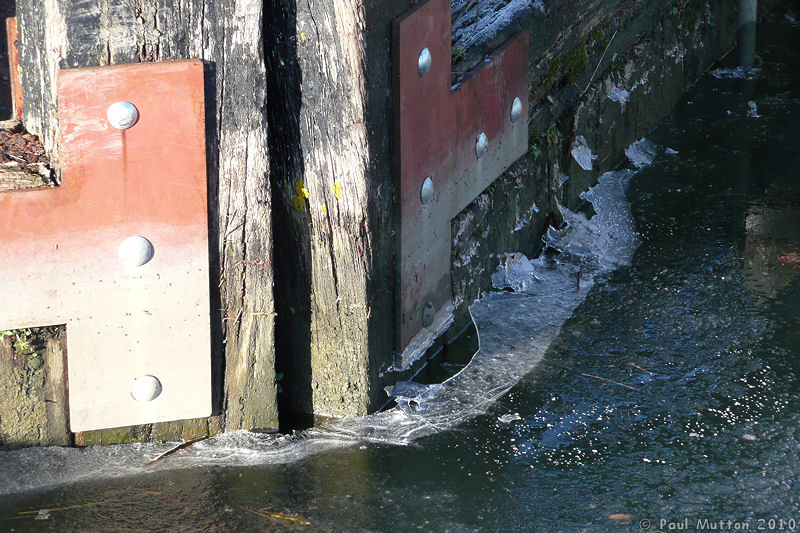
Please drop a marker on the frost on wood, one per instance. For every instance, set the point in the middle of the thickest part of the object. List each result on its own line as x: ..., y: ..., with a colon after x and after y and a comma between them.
x: 476, y: 22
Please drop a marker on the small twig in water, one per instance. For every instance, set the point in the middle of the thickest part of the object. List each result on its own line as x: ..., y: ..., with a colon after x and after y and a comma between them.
x: 608, y: 380
x: 640, y: 368
x: 181, y: 446
x: 67, y: 508
x: 276, y: 516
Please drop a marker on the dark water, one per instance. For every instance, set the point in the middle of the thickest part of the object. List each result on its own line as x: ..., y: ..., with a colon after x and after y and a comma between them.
x: 672, y: 393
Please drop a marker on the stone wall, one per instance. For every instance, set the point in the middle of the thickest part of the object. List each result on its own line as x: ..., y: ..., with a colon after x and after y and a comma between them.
x: 607, y: 78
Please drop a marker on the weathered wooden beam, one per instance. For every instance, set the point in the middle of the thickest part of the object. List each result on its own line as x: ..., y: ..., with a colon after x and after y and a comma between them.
x: 330, y: 138
x: 229, y: 36
x: 13, y: 69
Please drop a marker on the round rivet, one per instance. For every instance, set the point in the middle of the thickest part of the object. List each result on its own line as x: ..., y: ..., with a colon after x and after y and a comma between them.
x: 135, y: 251
x: 146, y: 388
x: 424, y: 62
x: 481, y: 145
x: 122, y: 115
x: 426, y: 192
x: 516, y: 110
x: 428, y: 313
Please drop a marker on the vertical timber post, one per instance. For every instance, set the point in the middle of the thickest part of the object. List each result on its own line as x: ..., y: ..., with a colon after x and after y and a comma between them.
x: 330, y: 138
x: 13, y: 69
x: 228, y: 36
x: 748, y: 14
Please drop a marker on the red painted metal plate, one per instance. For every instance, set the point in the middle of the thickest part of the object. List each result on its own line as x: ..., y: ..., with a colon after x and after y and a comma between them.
x: 436, y: 132
x: 61, y: 261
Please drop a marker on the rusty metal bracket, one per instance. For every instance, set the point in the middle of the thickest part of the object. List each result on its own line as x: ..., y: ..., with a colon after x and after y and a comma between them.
x: 450, y: 144
x: 119, y: 252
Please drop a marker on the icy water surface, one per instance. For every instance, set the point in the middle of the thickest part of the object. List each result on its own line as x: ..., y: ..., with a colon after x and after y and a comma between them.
x: 670, y: 393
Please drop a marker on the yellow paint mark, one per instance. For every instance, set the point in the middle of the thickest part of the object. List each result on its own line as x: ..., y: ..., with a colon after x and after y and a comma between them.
x: 301, y: 189
x: 302, y: 36
x: 299, y: 203
x: 337, y: 190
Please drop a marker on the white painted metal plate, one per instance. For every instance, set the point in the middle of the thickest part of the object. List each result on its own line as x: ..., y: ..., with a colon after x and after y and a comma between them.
x: 62, y: 261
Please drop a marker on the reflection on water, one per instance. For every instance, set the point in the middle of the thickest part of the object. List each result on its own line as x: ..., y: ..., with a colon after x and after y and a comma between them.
x: 672, y: 393
x: 772, y: 226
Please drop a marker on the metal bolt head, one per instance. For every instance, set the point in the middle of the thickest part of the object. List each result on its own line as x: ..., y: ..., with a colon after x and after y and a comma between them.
x: 428, y: 313
x: 122, y: 115
x: 516, y: 110
x: 146, y: 388
x: 481, y: 145
x: 426, y: 192
x: 135, y: 251
x: 424, y: 62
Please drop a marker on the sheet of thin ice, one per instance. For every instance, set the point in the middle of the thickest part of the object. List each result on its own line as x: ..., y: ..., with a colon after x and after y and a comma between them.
x: 515, y: 329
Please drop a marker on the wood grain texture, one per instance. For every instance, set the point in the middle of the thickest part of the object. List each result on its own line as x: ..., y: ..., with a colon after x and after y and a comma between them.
x: 14, y: 177
x: 57, y: 34
x: 13, y: 69
x: 330, y: 126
